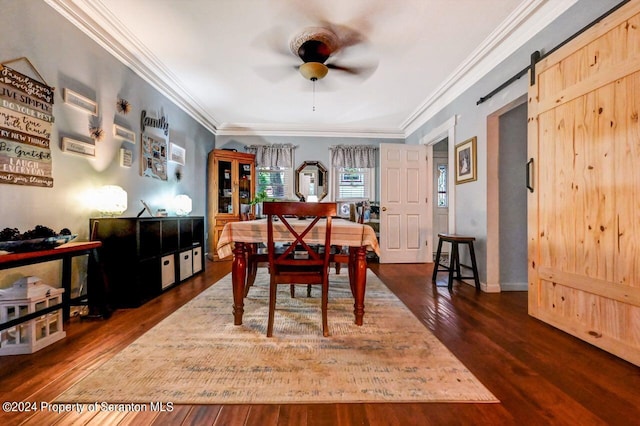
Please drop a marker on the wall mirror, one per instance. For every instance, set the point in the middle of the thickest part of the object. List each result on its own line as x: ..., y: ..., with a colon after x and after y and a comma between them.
x: 311, y: 180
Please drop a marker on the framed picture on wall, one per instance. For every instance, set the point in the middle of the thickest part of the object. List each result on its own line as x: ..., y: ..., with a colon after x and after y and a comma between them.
x: 86, y: 149
x: 124, y: 134
x: 153, y: 157
x: 177, y: 154
x: 466, y: 161
x: 126, y: 157
x: 83, y: 103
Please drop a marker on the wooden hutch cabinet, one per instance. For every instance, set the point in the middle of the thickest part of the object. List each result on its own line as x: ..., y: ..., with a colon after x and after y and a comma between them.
x: 231, y: 183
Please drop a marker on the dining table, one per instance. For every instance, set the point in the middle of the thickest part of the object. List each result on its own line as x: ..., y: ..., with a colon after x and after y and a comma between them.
x: 359, y: 238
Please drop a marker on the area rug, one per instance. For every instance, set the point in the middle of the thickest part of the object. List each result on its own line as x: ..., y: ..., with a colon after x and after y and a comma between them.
x: 197, y: 356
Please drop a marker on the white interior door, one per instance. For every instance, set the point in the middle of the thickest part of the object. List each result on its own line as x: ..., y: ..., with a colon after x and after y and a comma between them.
x: 404, y: 214
x: 440, y: 207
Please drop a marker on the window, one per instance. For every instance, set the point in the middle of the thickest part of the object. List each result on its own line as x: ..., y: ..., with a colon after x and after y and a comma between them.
x: 354, y: 183
x: 443, y: 197
x: 276, y: 181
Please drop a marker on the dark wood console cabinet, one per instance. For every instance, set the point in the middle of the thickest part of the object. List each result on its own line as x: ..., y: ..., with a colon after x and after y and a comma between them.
x: 142, y: 257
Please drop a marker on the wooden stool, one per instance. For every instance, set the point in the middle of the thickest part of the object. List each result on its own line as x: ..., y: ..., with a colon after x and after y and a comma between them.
x: 454, y: 259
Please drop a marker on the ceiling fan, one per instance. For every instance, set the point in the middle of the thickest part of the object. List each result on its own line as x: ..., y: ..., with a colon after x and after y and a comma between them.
x: 318, y: 46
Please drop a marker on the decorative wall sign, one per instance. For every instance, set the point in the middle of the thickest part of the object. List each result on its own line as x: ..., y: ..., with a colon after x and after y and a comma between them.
x: 78, y: 101
x: 158, y: 123
x: 124, y: 134
x: 126, y: 157
x: 26, y: 84
x: 17, y: 107
x: 177, y: 154
x: 26, y: 122
x: 73, y: 146
x: 153, y: 158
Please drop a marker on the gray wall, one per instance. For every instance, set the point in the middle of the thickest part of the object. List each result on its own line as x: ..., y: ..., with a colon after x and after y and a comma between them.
x: 471, y: 198
x: 67, y: 58
x: 513, y: 199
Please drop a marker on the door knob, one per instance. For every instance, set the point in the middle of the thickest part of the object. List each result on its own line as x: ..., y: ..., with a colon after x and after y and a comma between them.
x: 384, y: 209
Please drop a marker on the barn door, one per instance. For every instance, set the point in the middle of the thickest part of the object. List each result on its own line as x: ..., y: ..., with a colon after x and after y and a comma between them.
x: 584, y: 211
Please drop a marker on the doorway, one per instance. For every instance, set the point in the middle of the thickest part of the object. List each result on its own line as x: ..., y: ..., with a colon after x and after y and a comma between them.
x: 507, y: 198
x: 441, y: 194
x: 513, y: 199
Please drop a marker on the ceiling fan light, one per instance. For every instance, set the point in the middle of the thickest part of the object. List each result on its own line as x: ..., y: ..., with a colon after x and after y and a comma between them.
x: 313, y: 70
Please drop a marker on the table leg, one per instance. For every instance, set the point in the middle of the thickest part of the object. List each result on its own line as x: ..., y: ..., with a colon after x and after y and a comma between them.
x: 238, y: 276
x: 97, y: 287
x: 66, y: 284
x: 359, y: 282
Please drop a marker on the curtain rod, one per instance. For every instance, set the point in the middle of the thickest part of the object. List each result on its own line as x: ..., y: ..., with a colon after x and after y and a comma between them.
x: 536, y: 56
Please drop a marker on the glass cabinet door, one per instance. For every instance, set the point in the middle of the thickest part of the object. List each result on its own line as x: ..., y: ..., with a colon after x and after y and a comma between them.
x: 225, y: 187
x: 245, y: 182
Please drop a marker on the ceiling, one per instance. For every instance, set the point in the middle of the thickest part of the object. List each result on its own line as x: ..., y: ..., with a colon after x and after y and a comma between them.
x: 228, y: 64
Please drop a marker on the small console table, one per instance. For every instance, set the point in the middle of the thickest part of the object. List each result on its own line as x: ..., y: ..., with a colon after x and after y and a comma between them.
x: 66, y: 252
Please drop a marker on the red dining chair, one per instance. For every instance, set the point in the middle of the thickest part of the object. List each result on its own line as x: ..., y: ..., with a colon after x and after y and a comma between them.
x: 302, y: 262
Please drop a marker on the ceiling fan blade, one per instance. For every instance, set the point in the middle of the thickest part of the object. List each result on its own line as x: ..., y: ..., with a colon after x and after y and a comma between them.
x: 347, y: 36
x: 363, y: 71
x: 273, y: 40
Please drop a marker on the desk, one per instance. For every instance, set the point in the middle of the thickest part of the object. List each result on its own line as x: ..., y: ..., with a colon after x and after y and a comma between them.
x: 358, y: 237
x: 65, y: 252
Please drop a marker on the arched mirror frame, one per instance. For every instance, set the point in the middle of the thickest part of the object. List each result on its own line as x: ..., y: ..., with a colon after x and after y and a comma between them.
x: 322, y: 177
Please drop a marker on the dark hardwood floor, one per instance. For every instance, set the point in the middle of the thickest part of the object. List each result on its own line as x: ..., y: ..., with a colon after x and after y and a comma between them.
x: 541, y: 375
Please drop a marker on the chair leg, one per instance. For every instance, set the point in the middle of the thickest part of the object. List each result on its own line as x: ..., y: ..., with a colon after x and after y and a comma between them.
x: 453, y: 262
x: 458, y: 271
x: 437, y: 262
x: 272, y: 307
x: 252, y: 270
x: 351, y: 268
x: 337, y: 268
x: 474, y: 266
x: 325, y: 303
x: 292, y: 289
x: 308, y: 290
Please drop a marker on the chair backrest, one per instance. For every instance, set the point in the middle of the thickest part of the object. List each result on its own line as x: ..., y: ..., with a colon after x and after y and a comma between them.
x: 288, y: 214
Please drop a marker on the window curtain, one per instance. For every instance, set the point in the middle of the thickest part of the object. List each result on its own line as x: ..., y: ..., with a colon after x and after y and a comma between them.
x: 362, y: 156
x: 276, y: 155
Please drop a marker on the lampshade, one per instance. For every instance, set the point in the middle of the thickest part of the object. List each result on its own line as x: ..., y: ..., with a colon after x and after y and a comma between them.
x: 182, y: 204
x: 313, y: 70
x: 111, y: 200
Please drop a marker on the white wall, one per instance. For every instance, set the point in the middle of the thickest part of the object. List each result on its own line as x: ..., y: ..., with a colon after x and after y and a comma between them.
x: 67, y: 58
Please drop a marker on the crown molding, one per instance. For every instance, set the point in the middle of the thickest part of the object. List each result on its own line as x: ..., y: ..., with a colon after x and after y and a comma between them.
x: 105, y: 29
x: 246, y: 129
x: 522, y: 24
